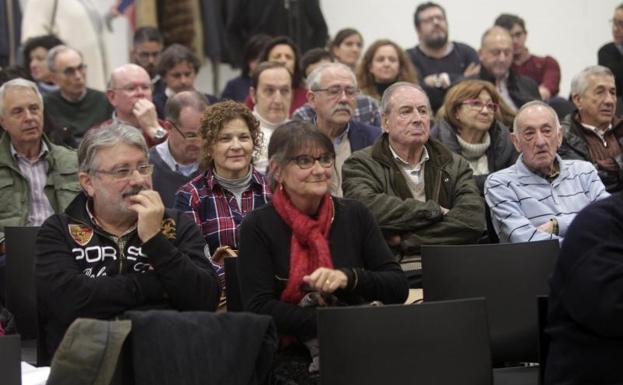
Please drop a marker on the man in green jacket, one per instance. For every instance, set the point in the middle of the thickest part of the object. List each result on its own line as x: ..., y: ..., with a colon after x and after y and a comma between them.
x: 37, y: 178
x: 419, y: 191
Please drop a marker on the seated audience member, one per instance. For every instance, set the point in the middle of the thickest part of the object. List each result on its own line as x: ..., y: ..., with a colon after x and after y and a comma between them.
x: 366, y: 108
x: 538, y: 196
x: 116, y: 247
x: 38, y: 178
x: 542, y: 69
x: 347, y: 47
x: 271, y: 92
x: 470, y: 125
x: 36, y: 60
x: 283, y: 50
x: 74, y: 105
x: 593, y: 132
x: 176, y: 160
x: 229, y: 186
x: 147, y: 45
x: 308, y: 245
x: 611, y: 54
x: 178, y: 67
x: 332, y: 91
x: 496, y: 58
x: 585, y: 300
x: 129, y: 92
x: 440, y: 62
x: 384, y: 64
x: 237, y: 88
x: 418, y: 191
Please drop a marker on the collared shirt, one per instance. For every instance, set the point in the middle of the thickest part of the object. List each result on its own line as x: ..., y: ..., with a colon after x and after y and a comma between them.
x: 414, y: 175
x: 341, y: 144
x: 366, y: 111
x: 600, y: 134
x: 165, y: 153
x: 502, y: 86
x: 35, y: 172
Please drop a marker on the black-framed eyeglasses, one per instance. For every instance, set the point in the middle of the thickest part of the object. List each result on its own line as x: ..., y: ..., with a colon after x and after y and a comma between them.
x: 125, y: 172
x: 71, y: 71
x: 336, y: 91
x: 304, y: 162
x: 186, y: 136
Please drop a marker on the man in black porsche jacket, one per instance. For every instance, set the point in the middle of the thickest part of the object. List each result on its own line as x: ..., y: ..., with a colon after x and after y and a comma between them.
x: 116, y: 247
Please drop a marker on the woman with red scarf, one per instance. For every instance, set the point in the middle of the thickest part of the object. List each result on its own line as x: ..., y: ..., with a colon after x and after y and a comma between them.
x: 307, y: 241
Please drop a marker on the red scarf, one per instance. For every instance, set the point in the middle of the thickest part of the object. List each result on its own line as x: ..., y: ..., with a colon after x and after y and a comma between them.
x: 309, y: 245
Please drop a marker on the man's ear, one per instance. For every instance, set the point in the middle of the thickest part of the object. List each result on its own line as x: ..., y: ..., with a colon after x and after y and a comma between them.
x: 253, y: 94
x: 516, y: 143
x: 311, y: 99
x: 167, y: 126
x: 86, y: 181
x: 110, y: 94
x: 577, y: 100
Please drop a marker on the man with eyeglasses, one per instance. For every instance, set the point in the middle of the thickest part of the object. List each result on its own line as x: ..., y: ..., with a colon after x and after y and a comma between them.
x: 440, y: 62
x: 418, y: 190
x: 130, y: 93
x: 271, y: 92
x: 116, y: 247
x: 496, y: 59
x: 538, y: 197
x: 611, y: 54
x: 176, y: 160
x: 332, y: 93
x: 74, y: 105
x: 594, y: 132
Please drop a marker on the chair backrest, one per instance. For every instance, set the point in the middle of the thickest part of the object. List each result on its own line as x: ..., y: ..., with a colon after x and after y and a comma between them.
x: 20, y: 278
x: 10, y: 348
x: 434, y: 343
x: 232, y: 293
x: 509, y: 276
x: 544, y: 338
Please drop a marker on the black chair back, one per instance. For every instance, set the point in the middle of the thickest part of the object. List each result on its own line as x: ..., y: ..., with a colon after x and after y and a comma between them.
x: 232, y: 293
x: 10, y: 370
x: 509, y: 276
x: 434, y: 343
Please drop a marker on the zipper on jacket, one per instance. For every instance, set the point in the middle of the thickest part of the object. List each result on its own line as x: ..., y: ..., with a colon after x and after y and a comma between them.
x: 437, y: 186
x: 122, y: 258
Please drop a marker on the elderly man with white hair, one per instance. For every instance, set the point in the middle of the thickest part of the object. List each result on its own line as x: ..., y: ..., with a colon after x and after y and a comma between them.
x: 37, y: 178
x: 538, y: 197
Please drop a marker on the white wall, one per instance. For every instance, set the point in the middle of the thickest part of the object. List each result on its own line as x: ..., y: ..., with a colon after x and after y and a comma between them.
x: 569, y: 30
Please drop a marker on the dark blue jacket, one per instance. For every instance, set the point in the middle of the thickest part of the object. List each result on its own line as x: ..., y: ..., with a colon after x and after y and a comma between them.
x: 362, y: 135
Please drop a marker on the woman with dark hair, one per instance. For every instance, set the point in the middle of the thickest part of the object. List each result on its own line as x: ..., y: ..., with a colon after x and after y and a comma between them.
x: 283, y: 50
x: 384, y: 64
x: 230, y: 187
x: 308, y: 246
x: 35, y: 60
x: 347, y: 46
x: 238, y: 88
x: 471, y: 125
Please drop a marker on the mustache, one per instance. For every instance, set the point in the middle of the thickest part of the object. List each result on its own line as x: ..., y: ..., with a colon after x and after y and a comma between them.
x: 342, y: 107
x: 132, y: 191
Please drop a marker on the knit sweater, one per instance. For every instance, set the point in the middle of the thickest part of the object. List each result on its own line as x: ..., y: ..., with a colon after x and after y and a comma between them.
x: 79, y: 116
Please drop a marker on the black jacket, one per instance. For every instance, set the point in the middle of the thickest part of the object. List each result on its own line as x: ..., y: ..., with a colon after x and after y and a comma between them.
x: 82, y: 272
x: 521, y: 88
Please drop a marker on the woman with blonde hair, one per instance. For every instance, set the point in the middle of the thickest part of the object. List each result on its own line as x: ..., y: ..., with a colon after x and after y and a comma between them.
x: 384, y: 64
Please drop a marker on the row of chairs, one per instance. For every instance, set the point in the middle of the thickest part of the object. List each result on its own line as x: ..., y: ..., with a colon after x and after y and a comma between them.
x: 507, y: 277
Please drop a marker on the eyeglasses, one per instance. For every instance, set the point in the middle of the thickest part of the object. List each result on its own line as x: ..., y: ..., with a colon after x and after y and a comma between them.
x: 132, y: 88
x: 478, y: 105
x: 71, y: 71
x: 125, y: 172
x: 617, y: 23
x: 336, y: 91
x: 186, y: 136
x: 146, y: 54
x: 307, y: 161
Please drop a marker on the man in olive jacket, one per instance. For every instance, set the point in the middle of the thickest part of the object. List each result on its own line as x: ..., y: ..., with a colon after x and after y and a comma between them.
x: 37, y: 178
x: 419, y: 191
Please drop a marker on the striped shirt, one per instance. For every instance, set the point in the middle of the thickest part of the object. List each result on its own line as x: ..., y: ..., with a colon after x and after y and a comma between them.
x: 36, y: 173
x: 520, y: 200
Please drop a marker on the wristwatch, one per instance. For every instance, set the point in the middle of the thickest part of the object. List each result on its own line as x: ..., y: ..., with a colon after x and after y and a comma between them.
x: 160, y: 133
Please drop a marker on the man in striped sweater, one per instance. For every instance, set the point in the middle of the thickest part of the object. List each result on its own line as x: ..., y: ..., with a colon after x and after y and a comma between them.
x: 539, y: 196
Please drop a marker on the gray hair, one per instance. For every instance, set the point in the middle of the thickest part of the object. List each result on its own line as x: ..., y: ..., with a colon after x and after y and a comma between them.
x: 107, y: 136
x: 536, y: 103
x: 175, y: 104
x: 580, y: 82
x: 389, y: 92
x: 18, y: 83
x: 315, y: 77
x: 54, y: 52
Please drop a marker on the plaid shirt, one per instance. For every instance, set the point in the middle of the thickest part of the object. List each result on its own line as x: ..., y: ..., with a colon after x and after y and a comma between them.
x: 215, y: 209
x: 366, y: 111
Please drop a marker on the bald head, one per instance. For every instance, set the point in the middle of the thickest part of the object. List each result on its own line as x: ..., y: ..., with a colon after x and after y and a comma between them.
x: 128, y: 83
x: 496, y: 51
x: 127, y: 71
